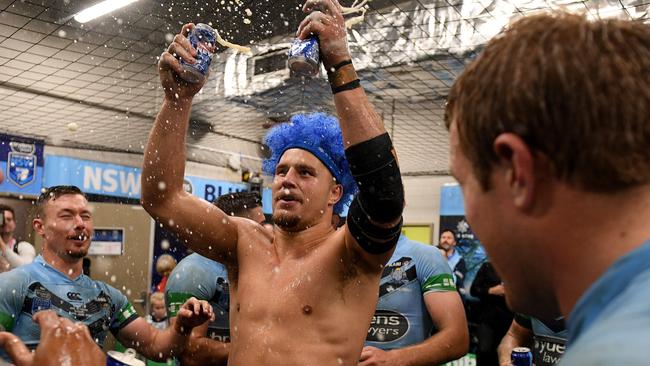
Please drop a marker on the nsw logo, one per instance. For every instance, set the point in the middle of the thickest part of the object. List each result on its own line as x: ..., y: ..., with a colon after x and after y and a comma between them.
x: 22, y: 168
x: 387, y: 326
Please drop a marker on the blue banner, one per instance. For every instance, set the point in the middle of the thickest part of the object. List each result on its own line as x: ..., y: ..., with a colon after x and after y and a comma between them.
x: 452, y: 217
x: 124, y: 181
x: 451, y: 200
x: 21, y: 161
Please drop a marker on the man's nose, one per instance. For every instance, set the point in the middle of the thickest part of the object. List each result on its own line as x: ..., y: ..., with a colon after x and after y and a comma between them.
x: 289, y: 179
x: 79, y: 222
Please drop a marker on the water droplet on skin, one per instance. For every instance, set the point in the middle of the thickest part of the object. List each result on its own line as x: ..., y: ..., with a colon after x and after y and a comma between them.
x: 162, y: 185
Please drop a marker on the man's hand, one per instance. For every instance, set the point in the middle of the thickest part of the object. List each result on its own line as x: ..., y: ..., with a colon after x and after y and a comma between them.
x: 325, y: 21
x: 61, y: 341
x: 373, y: 356
x: 497, y: 290
x: 192, y: 314
x: 170, y: 69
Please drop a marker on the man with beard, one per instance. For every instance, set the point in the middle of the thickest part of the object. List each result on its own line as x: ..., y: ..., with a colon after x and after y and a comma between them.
x: 456, y: 262
x: 306, y: 294
x: 54, y: 281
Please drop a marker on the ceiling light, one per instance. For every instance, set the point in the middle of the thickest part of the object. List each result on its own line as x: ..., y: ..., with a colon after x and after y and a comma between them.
x: 100, y: 9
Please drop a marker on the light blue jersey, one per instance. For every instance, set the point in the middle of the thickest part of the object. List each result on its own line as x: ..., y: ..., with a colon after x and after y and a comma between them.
x: 610, y: 324
x: 401, y: 318
x: 205, y: 279
x: 38, y: 286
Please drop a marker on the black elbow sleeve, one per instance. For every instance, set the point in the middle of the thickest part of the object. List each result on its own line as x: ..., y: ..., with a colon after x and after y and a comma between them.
x: 373, y: 164
x: 373, y: 238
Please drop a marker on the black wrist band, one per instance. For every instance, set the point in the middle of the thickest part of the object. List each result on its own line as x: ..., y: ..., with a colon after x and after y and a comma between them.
x: 341, y: 64
x: 349, y: 86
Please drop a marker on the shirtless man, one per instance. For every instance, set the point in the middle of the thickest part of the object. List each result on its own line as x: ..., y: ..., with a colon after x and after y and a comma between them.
x: 306, y: 295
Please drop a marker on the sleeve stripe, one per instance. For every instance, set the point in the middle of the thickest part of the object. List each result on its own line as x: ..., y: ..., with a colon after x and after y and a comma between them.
x: 6, y: 322
x: 441, y: 282
x: 175, y: 300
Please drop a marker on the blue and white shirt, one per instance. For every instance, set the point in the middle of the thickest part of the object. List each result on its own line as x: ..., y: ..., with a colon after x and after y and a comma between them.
x: 205, y: 279
x: 610, y: 324
x: 38, y: 286
x: 401, y: 318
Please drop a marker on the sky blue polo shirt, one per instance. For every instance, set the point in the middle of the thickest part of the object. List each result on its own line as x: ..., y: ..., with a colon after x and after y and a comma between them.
x: 610, y: 324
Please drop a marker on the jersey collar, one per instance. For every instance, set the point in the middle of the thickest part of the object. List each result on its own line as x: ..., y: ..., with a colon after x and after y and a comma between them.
x: 611, y: 284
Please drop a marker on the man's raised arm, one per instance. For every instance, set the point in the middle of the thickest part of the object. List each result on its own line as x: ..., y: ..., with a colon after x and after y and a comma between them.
x: 375, y: 215
x: 204, y: 227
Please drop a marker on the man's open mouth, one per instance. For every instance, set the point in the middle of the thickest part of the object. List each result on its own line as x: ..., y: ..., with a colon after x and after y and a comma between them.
x: 78, y: 237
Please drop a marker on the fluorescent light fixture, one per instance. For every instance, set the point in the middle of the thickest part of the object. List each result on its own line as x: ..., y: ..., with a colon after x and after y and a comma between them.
x: 100, y: 9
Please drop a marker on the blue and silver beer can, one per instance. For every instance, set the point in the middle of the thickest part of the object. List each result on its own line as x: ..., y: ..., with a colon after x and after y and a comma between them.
x: 521, y: 356
x: 204, y: 39
x: 128, y: 358
x: 304, y: 57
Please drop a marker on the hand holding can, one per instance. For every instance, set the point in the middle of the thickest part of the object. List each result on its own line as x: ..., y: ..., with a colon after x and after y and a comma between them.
x: 203, y: 39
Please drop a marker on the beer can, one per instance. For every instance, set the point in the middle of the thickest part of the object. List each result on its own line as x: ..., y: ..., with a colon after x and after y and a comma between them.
x: 204, y: 39
x: 128, y: 358
x: 521, y: 356
x: 304, y: 57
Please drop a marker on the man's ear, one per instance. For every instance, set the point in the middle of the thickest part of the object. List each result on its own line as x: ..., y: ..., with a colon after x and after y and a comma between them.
x: 516, y: 164
x: 336, y: 192
x: 37, y: 224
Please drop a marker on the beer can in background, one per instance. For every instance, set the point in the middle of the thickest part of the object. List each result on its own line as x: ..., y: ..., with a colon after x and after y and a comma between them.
x: 304, y: 57
x: 521, y: 356
x: 204, y: 39
x: 128, y: 358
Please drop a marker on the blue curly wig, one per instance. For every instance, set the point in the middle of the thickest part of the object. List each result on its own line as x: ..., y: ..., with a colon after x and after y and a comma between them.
x: 320, y: 134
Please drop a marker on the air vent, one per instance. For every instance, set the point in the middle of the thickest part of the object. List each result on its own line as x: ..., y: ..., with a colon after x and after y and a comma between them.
x: 270, y: 63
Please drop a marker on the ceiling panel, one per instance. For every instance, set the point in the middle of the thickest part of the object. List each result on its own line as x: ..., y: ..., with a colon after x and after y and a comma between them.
x: 102, y: 75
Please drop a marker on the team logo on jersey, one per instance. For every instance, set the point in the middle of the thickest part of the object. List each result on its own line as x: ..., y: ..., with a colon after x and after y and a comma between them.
x: 387, y: 326
x: 75, y: 296
x: 21, y: 163
x: 397, y: 274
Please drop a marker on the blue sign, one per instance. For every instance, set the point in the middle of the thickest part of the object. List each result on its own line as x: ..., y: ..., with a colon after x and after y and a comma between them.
x: 22, y: 161
x: 124, y: 181
x: 107, y: 241
x: 451, y: 200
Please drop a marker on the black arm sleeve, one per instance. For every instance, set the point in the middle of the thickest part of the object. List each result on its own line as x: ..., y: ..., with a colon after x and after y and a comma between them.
x: 376, y: 171
x: 381, y: 194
